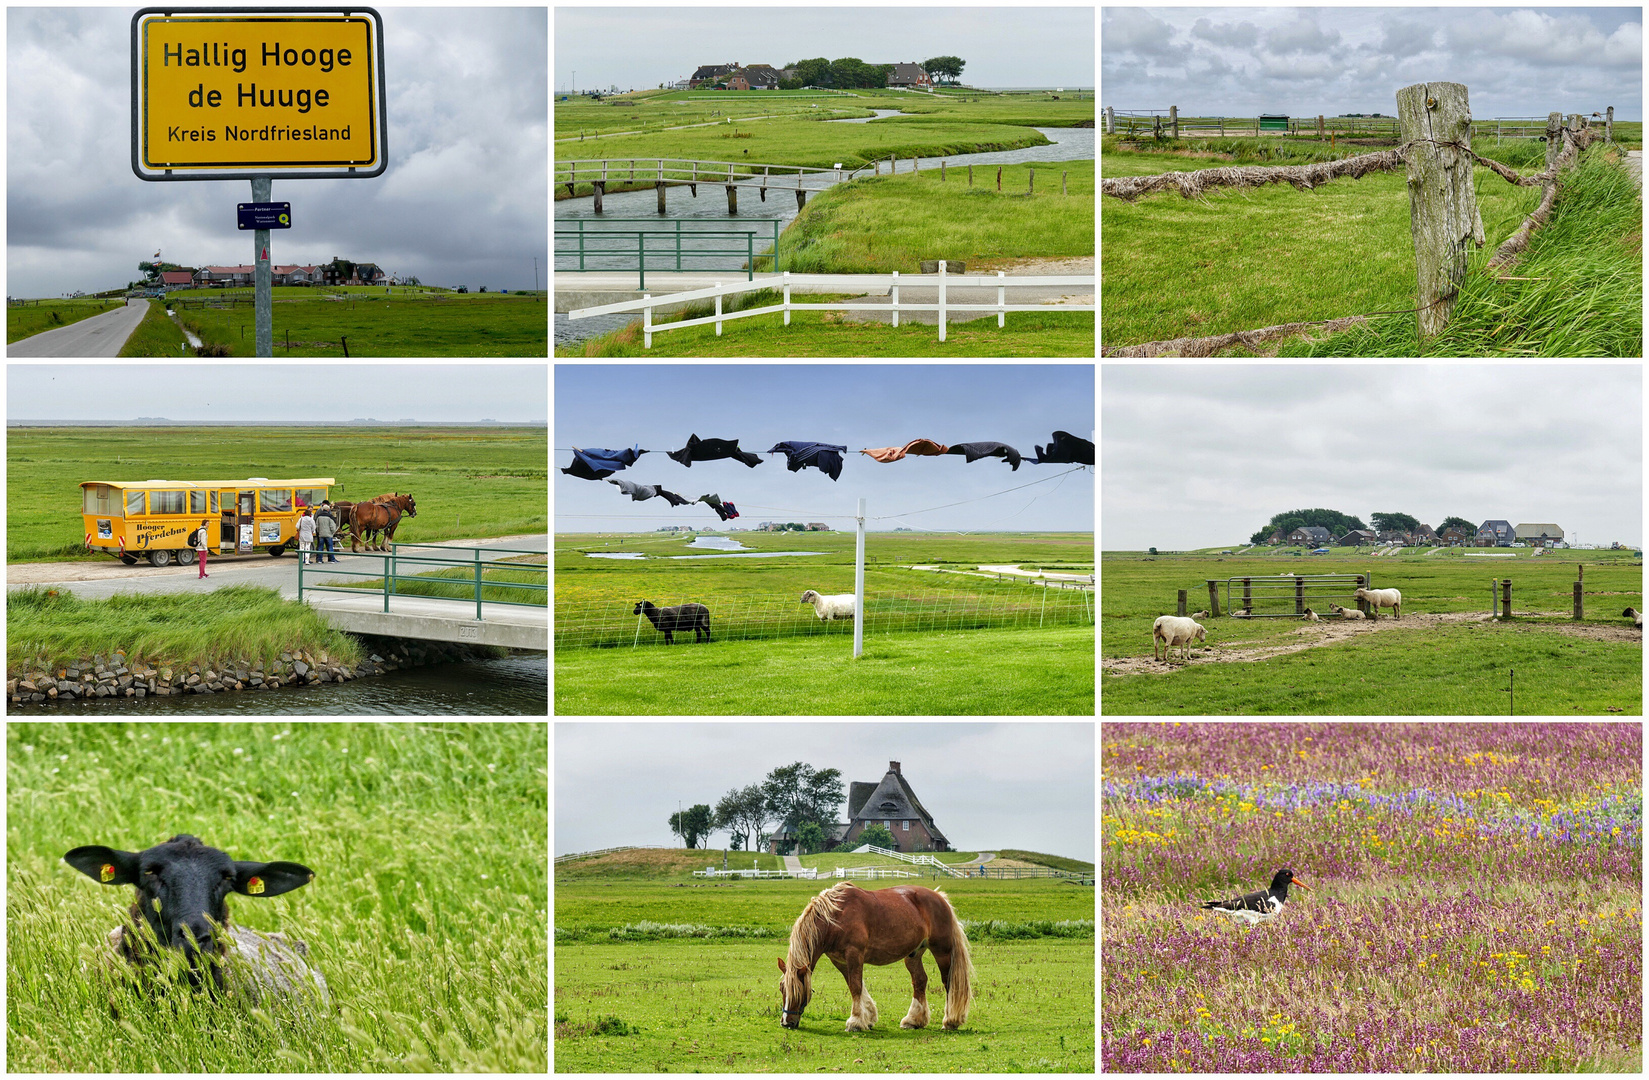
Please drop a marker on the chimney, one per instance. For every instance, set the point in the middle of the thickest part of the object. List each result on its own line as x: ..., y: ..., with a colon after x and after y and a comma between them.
x: 893, y: 766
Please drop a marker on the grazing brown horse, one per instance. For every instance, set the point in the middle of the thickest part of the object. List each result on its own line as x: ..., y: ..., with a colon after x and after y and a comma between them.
x: 382, y: 514
x: 855, y: 927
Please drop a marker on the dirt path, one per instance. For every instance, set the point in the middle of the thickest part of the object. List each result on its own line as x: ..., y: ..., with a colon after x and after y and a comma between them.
x: 1634, y: 165
x: 1337, y: 631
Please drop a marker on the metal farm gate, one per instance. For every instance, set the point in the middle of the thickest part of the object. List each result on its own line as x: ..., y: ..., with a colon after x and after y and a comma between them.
x: 1288, y: 595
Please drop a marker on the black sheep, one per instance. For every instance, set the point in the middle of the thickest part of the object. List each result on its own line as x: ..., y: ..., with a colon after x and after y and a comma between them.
x: 694, y: 617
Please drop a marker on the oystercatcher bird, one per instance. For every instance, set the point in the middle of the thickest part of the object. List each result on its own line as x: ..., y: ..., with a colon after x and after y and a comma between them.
x: 1256, y: 907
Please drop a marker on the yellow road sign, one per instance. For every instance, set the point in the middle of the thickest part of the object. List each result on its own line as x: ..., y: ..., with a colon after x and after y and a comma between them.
x: 241, y: 92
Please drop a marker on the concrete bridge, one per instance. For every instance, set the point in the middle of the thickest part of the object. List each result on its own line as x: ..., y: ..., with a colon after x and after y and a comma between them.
x: 465, y: 616
x: 664, y: 173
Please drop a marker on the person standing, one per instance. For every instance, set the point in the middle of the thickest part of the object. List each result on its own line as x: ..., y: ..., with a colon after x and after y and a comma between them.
x: 306, y: 535
x: 326, y: 527
x: 199, y: 541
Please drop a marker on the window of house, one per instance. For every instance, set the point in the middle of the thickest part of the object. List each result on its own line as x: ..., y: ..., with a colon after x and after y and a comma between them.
x: 907, y: 826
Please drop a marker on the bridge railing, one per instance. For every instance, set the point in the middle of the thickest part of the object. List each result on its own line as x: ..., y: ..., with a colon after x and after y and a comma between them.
x: 393, y: 574
x: 690, y: 171
x: 592, y: 240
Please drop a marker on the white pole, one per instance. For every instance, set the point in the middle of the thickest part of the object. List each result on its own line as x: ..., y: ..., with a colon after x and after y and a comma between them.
x: 859, y: 586
x: 895, y: 304
x: 942, y: 299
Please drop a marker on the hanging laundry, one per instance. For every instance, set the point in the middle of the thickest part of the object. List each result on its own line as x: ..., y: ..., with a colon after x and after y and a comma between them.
x: 725, y: 511
x: 698, y: 449
x: 976, y: 450
x: 1066, y: 449
x: 643, y: 492
x: 921, y: 447
x: 822, y: 456
x: 596, y: 464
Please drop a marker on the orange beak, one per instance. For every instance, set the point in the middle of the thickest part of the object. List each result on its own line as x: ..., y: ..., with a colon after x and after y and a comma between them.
x: 1301, y: 884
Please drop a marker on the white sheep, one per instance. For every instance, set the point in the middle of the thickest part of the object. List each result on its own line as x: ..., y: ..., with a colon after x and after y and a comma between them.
x: 1199, y: 614
x: 1171, y: 630
x: 1635, y: 615
x: 839, y: 606
x: 1379, y: 598
x: 1345, y: 612
x: 1312, y: 616
x: 1241, y: 613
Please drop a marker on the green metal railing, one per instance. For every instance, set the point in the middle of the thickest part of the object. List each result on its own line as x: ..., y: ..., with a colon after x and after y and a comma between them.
x: 392, y: 563
x: 585, y: 243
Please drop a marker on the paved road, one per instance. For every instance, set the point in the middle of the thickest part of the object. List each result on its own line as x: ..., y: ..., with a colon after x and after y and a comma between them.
x: 100, y: 335
x: 279, y: 574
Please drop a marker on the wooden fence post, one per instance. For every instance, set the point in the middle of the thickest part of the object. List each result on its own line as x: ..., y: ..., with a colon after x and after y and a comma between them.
x: 999, y: 178
x: 1609, y: 125
x: 1443, y: 213
x: 1554, y: 137
x: 1506, y: 598
x: 1031, y: 189
x: 1110, y: 120
x: 1578, y: 609
x: 970, y: 175
x: 941, y: 170
x: 1182, y: 603
x: 1319, y: 125
x: 1213, y: 599
x: 1173, y: 119
x: 1064, y: 174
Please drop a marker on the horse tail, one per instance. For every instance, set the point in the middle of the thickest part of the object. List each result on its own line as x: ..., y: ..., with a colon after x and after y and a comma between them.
x: 959, y: 994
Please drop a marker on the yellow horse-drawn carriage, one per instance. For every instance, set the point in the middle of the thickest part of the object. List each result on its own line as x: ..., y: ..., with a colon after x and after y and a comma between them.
x: 156, y: 519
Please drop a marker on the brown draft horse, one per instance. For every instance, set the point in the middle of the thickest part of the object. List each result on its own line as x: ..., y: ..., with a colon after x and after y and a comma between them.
x: 382, y: 514
x: 855, y: 927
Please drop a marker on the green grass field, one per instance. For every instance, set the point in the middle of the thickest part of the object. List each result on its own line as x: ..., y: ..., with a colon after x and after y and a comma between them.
x: 651, y: 977
x: 374, y: 323
x: 27, y: 320
x: 1439, y: 659
x: 50, y: 628
x: 1241, y: 260
x: 469, y: 482
x: 966, y: 673
x: 430, y: 934
x: 877, y: 225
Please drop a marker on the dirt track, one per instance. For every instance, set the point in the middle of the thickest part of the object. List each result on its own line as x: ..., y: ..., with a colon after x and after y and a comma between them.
x: 1336, y: 631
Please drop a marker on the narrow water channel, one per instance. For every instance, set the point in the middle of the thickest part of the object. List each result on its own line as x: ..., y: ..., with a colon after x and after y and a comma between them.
x: 1068, y: 144
x: 512, y: 686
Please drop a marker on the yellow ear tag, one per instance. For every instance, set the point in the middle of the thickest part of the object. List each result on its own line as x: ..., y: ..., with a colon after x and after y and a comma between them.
x: 108, y: 873
x: 254, y: 885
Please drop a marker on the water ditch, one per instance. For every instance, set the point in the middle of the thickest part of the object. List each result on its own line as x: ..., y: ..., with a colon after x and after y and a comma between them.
x: 1068, y: 144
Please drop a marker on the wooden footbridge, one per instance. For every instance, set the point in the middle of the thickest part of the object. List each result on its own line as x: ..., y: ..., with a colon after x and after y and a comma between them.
x: 664, y: 173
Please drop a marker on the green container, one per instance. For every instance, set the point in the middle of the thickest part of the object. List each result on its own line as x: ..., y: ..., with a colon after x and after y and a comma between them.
x: 1273, y: 123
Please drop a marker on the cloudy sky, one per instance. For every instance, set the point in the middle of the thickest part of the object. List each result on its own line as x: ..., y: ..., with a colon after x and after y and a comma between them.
x: 1304, y: 61
x: 1004, y: 46
x: 1546, y: 443
x: 464, y: 201
x: 433, y: 393
x: 852, y: 405
x: 1020, y: 785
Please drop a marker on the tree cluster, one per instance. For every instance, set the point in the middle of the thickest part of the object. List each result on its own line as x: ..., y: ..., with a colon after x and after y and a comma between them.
x: 848, y: 73
x: 1336, y: 523
x: 798, y: 798
x: 948, y: 66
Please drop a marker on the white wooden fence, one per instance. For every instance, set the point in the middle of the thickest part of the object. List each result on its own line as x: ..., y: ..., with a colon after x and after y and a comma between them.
x: 918, y: 860
x: 846, y: 282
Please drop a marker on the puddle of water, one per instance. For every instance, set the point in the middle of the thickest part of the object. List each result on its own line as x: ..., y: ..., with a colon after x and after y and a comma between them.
x: 747, y: 555
x: 614, y: 555
x: 720, y: 543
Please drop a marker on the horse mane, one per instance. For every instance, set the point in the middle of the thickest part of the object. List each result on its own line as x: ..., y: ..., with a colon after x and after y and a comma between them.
x: 816, y: 917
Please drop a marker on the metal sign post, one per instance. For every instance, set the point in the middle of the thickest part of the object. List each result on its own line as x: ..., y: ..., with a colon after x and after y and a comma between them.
x: 262, y: 279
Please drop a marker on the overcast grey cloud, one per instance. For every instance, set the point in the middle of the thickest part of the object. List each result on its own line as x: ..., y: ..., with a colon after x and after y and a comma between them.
x: 431, y: 393
x: 464, y: 201
x: 637, y: 48
x: 1197, y: 455
x: 1244, y: 61
x: 1027, y: 786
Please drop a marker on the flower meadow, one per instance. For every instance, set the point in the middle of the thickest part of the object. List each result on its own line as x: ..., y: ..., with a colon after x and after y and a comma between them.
x: 1475, y: 903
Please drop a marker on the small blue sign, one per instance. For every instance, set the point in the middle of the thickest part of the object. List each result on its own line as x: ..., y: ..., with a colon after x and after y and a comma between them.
x: 264, y: 215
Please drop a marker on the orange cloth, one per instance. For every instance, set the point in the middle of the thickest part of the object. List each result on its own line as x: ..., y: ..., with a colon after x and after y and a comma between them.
x: 920, y: 447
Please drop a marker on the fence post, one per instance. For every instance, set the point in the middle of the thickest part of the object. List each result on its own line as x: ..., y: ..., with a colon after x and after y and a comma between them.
x: 1213, y: 598
x: 1001, y: 298
x: 1248, y: 595
x: 999, y: 179
x: 1299, y: 596
x: 1031, y: 190
x: 1110, y: 120
x: 970, y: 175
x: 895, y: 298
x: 942, y: 300
x: 1182, y: 603
x: 941, y: 170
x: 1554, y: 137
x: 1173, y: 119
x: 1579, y: 612
x: 787, y: 298
x: 1442, y: 199
x: 1506, y: 598
x: 1319, y: 125
x: 1609, y: 125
